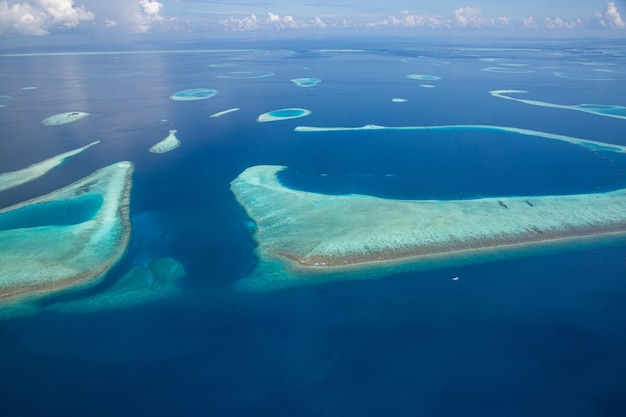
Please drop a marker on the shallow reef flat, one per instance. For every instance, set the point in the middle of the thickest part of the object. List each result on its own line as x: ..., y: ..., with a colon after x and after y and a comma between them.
x: 597, y: 109
x: 157, y: 280
x: 67, y: 239
x: 64, y: 118
x: 306, y: 82
x: 193, y: 94
x: 283, y: 114
x: 13, y: 179
x: 168, y: 144
x: 306, y: 237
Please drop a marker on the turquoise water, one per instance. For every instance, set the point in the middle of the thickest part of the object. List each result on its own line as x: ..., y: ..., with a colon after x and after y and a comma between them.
x: 53, y: 213
x: 541, y: 336
x: 288, y: 113
x: 194, y: 94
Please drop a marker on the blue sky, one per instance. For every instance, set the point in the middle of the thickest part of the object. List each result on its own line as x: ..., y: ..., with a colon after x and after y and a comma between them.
x: 46, y: 17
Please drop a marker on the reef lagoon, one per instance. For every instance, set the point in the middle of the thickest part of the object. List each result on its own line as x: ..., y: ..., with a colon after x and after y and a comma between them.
x: 401, y: 250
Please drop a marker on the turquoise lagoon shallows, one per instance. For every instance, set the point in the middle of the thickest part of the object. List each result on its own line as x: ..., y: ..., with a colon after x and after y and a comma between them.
x: 283, y: 114
x: 507, y: 70
x: 64, y: 118
x: 67, y: 239
x: 170, y: 143
x: 194, y: 94
x: 157, y: 280
x: 304, y: 237
x: 306, y: 82
x: 597, y: 109
x: 4, y: 100
x: 13, y: 179
x: 583, y: 77
x: 246, y: 74
x: 423, y: 77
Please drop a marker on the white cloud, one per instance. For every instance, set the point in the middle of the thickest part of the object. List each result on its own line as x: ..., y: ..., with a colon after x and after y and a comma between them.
x: 408, y: 20
x: 147, y: 13
x: 609, y: 17
x: 468, y: 17
x: 559, y: 23
x: 464, y: 17
x: 40, y: 17
x: 530, y: 23
x: 273, y: 21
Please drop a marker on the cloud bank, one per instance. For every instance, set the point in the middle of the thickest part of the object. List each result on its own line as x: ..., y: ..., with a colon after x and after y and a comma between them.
x: 40, y: 17
x: 272, y: 22
x: 43, y: 17
x: 461, y: 18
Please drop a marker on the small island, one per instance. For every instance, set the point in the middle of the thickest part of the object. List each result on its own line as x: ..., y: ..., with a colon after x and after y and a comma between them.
x: 64, y: 118
x: 168, y: 144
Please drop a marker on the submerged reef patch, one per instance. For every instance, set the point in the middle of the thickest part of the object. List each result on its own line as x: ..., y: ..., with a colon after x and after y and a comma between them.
x: 507, y: 70
x: 67, y: 239
x: 583, y: 77
x: 64, y: 118
x: 597, y: 109
x: 194, y: 94
x: 306, y: 82
x: 246, y: 74
x: 423, y: 77
x: 4, y: 100
x: 157, y: 280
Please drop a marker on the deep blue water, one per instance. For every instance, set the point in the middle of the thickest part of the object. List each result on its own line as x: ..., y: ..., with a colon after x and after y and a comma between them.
x: 539, y: 336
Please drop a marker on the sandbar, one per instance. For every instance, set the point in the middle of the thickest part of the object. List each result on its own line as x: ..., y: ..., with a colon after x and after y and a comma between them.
x: 64, y: 118
x: 89, y: 235
x: 221, y: 113
x: 591, y: 145
x: 194, y: 94
x: 12, y: 179
x: 170, y: 143
x: 304, y: 237
x: 597, y: 109
x: 283, y: 114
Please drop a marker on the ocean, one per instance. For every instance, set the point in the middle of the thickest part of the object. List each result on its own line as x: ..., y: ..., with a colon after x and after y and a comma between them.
x: 534, y: 336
